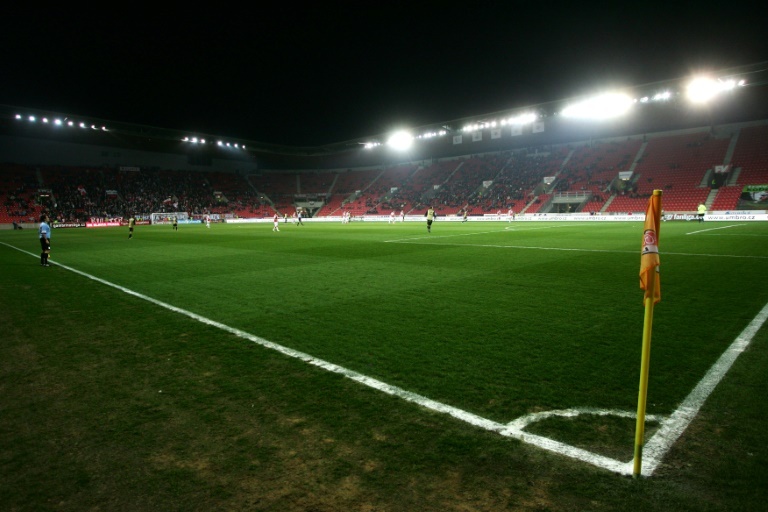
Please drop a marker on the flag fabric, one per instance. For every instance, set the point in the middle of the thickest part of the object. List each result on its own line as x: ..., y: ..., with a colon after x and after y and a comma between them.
x: 649, y: 256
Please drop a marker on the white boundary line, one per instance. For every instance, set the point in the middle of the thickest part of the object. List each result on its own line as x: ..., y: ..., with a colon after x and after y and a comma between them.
x: 655, y: 449
x: 674, y: 426
x: 715, y: 229
x: 538, y: 248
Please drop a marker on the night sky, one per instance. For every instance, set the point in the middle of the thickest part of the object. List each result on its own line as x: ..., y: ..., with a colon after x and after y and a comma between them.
x: 286, y: 73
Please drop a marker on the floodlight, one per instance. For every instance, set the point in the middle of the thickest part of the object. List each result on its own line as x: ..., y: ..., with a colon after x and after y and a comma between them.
x: 604, y: 106
x: 45, y: 120
x: 18, y: 116
x: 522, y: 119
x: 702, y: 89
x: 57, y: 122
x: 400, y: 140
x: 32, y: 118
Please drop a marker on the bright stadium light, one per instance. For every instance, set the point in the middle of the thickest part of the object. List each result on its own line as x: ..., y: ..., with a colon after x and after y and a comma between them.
x: 702, y: 89
x: 400, y: 140
x: 522, y: 119
x: 604, y: 106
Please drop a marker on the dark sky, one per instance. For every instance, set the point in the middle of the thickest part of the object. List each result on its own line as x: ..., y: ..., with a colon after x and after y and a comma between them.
x: 299, y: 75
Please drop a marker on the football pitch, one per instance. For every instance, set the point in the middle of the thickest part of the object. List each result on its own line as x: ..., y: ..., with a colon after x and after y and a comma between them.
x: 191, y: 353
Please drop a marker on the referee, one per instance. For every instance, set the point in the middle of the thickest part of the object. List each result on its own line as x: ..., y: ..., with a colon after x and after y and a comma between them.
x: 44, y: 233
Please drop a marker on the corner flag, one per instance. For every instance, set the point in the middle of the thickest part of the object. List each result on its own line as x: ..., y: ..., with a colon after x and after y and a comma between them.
x: 649, y: 256
x: 649, y: 281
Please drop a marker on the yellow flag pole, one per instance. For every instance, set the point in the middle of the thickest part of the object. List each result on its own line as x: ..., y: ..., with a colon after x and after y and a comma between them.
x: 642, y: 397
x: 650, y: 300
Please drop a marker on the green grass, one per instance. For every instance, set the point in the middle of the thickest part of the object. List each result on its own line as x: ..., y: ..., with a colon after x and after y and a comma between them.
x: 112, y: 402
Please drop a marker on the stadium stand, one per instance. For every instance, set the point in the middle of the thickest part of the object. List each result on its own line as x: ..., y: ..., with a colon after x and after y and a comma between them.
x: 676, y: 164
x: 750, y: 158
x: 527, y: 180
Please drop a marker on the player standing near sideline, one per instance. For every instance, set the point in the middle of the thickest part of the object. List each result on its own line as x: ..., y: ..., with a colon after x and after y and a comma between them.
x: 464, y: 216
x: 402, y: 215
x: 391, y: 217
x: 430, y: 217
x: 44, y: 233
x: 131, y: 224
x: 276, y: 222
x: 175, y: 223
x: 702, y: 210
x: 208, y: 221
x: 510, y: 215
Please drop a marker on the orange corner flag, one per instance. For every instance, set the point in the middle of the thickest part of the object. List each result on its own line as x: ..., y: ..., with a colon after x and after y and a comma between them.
x: 649, y: 256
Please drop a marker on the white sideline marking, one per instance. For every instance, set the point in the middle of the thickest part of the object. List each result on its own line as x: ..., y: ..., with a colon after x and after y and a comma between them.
x: 715, y: 229
x: 539, y: 248
x: 435, y: 237
x: 654, y: 451
x: 674, y: 426
x: 738, y: 234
